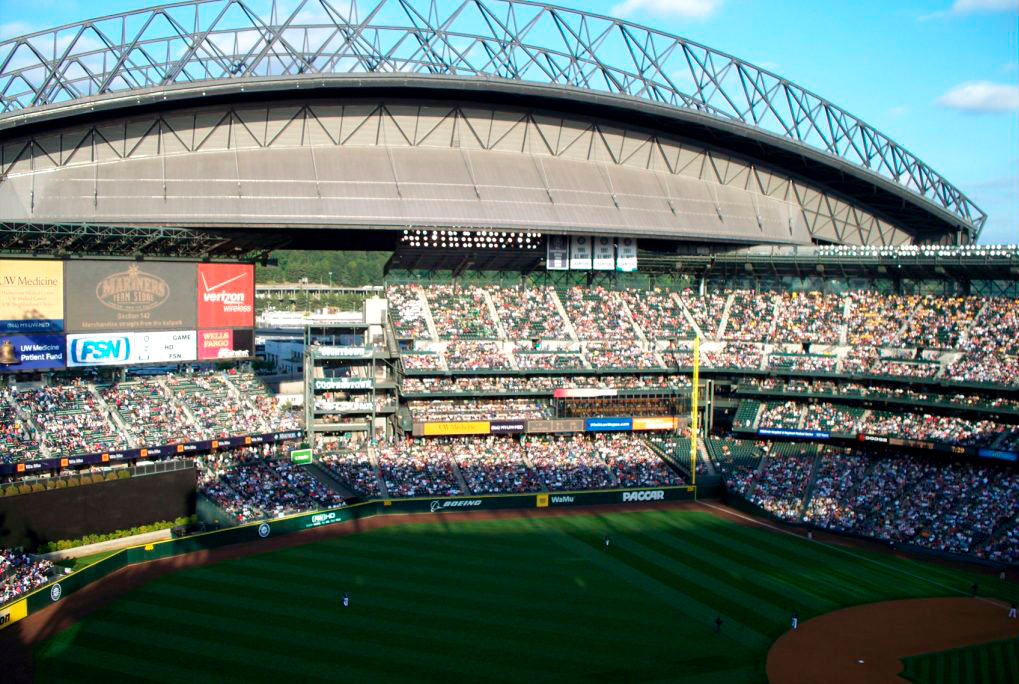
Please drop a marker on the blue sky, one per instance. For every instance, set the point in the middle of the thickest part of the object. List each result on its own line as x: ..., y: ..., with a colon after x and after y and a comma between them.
x: 940, y: 77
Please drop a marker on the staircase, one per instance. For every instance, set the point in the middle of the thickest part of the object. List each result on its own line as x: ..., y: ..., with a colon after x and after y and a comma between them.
x: 686, y: 314
x: 808, y: 493
x: 776, y: 304
x: 429, y: 321
x: 633, y: 320
x: 530, y: 464
x: 725, y: 315
x: 378, y: 473
x: 325, y: 478
x: 111, y: 415
x: 161, y: 380
x: 554, y: 294
x: 460, y: 478
x: 847, y: 310
x: 964, y: 333
x: 494, y: 313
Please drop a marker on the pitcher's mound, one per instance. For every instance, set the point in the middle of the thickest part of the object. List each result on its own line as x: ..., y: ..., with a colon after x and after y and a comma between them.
x: 862, y: 645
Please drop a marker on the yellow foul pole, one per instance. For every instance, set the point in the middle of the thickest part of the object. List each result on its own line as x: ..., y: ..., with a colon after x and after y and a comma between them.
x: 693, y: 410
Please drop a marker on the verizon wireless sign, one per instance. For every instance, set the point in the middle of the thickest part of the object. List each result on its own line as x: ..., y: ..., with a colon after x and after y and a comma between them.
x: 226, y: 296
x: 124, y: 349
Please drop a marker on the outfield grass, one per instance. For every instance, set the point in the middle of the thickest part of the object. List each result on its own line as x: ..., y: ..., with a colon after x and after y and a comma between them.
x: 996, y: 662
x: 519, y: 600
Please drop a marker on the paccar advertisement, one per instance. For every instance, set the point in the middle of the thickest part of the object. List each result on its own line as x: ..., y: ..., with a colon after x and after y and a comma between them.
x: 226, y: 296
x: 31, y: 352
x: 226, y: 344
x: 124, y: 349
x: 113, y: 296
x: 31, y: 296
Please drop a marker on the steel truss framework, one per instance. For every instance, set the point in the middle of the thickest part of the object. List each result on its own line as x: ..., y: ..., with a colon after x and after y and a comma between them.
x: 185, y: 43
x: 21, y: 239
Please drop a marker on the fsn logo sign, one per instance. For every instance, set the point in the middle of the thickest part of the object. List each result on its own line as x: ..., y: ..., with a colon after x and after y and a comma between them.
x: 437, y: 506
x: 101, y: 350
x: 655, y: 495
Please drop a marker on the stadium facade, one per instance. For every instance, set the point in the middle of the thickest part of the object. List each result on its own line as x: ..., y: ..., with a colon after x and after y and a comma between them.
x: 204, y: 128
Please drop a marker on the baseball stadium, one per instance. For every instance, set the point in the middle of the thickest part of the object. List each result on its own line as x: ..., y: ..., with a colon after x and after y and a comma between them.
x: 671, y: 371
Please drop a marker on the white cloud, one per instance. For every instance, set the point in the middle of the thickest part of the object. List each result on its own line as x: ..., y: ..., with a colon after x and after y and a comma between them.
x: 13, y: 29
x: 689, y: 9
x: 899, y: 110
x: 971, y: 6
x: 981, y: 97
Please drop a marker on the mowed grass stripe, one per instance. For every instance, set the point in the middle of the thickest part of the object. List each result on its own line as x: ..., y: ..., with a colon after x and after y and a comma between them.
x: 758, y: 592
x: 399, y: 593
x: 436, y: 636
x: 662, y: 570
x: 871, y: 581
x: 917, y: 577
x: 517, y: 615
x: 821, y: 590
x: 420, y: 654
x: 157, y: 658
x: 995, y: 662
x: 672, y: 596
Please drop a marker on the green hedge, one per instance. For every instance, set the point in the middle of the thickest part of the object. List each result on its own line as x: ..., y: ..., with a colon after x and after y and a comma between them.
x: 65, y: 544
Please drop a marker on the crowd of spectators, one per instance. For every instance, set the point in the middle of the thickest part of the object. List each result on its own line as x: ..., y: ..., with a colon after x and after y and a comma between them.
x: 478, y: 409
x: 985, y: 368
x: 874, y: 318
x: 20, y: 574
x: 422, y: 361
x: 491, y: 465
x: 536, y: 360
x: 706, y: 311
x: 813, y: 363
x: 461, y: 313
x: 778, y: 486
x: 529, y: 313
x: 18, y: 441
x: 750, y: 316
x: 658, y: 314
x: 254, y: 483
x: 955, y: 507
x: 356, y: 470
x: 407, y: 311
x: 413, y: 468
x: 151, y: 417
x: 808, y: 317
x: 620, y: 354
x: 995, y: 331
x: 71, y: 419
x: 476, y: 355
x: 598, y: 314
x: 217, y: 408
x: 938, y: 322
x: 635, y: 464
x: 540, y: 383
x: 569, y: 462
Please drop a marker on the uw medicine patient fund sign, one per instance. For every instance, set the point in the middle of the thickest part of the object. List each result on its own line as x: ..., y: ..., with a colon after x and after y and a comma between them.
x: 31, y: 296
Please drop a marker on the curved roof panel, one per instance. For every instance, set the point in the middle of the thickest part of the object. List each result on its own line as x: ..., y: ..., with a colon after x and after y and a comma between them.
x: 205, y: 41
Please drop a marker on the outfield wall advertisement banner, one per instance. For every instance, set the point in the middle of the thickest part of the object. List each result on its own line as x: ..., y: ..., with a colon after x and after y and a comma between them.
x: 109, y: 296
x: 153, y: 452
x: 226, y: 344
x: 113, y: 349
x: 31, y: 296
x: 226, y: 296
x: 33, y: 352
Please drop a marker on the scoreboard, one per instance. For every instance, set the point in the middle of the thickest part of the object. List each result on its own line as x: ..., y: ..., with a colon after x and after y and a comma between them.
x: 71, y: 314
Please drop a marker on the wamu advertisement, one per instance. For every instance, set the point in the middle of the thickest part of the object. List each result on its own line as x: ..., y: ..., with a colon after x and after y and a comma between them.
x: 122, y: 349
